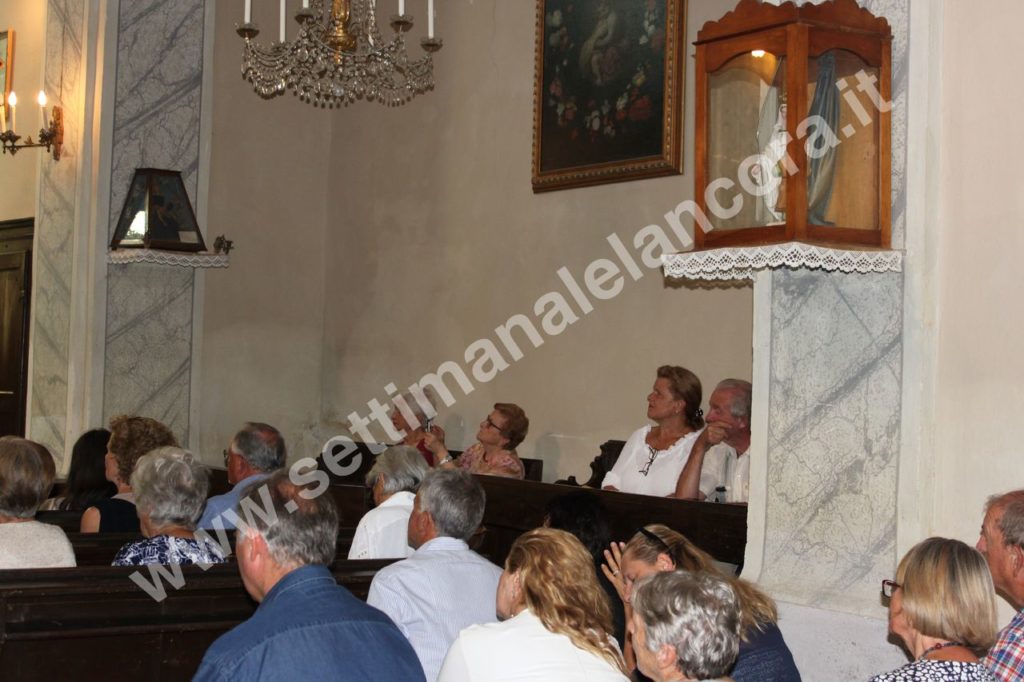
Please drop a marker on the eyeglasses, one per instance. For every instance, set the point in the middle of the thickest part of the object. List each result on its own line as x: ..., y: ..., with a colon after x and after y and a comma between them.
x: 227, y: 454
x: 646, y: 468
x: 494, y: 426
x: 888, y: 587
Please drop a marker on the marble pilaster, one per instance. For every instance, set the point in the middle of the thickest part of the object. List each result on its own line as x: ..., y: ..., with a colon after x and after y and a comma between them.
x: 54, y: 230
x: 156, y: 124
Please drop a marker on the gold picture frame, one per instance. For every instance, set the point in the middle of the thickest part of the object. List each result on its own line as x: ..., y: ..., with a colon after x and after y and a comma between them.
x: 608, y: 91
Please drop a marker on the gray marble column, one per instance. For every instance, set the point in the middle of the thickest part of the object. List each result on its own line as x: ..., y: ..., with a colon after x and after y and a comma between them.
x: 54, y: 231
x: 156, y: 125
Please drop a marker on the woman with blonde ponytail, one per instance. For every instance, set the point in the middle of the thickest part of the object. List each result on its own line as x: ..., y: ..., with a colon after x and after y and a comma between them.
x: 763, y: 653
x: 556, y: 620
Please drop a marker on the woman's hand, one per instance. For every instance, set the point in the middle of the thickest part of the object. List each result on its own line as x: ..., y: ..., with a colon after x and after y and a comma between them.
x: 433, y: 439
x: 612, y: 568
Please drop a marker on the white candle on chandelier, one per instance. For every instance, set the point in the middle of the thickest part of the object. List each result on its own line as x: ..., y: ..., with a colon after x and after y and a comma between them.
x: 41, y: 98
x: 305, y: 4
x: 12, y: 99
x: 401, y: 7
x: 248, y: 11
x: 282, y: 19
x: 430, y: 18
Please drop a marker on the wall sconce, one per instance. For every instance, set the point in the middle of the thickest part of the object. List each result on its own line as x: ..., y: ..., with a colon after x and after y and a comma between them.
x: 157, y: 214
x: 51, y: 135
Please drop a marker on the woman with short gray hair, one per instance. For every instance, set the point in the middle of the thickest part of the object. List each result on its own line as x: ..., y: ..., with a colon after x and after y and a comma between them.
x: 170, y: 487
x: 382, y: 532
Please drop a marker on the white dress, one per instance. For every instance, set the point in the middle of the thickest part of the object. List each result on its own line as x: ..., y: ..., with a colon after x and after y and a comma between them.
x: 663, y: 474
x: 521, y: 649
x: 382, y: 533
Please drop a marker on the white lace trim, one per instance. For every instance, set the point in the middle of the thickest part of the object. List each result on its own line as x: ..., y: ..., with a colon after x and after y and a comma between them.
x: 743, y: 262
x: 180, y: 258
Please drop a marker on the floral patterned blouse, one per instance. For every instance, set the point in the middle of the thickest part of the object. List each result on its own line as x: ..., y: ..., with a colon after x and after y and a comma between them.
x: 927, y: 670
x: 166, y: 549
x: 505, y: 463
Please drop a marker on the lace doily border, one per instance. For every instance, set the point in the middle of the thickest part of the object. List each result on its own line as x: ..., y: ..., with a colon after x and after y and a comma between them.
x: 744, y: 262
x: 178, y: 258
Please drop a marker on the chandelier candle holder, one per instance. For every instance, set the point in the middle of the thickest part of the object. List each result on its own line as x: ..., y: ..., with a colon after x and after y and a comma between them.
x: 339, y: 55
x: 51, y: 135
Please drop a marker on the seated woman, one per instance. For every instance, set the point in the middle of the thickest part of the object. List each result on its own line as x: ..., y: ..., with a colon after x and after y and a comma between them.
x: 130, y: 439
x: 763, y: 653
x: 653, y: 457
x: 494, y: 453
x: 686, y: 626
x: 26, y: 474
x: 170, y: 487
x: 943, y: 606
x: 415, y: 438
x: 382, y: 533
x: 87, y: 480
x: 556, y: 620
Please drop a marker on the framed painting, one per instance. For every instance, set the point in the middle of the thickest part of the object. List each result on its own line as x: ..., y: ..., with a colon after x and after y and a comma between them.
x: 608, y: 91
x: 6, y: 67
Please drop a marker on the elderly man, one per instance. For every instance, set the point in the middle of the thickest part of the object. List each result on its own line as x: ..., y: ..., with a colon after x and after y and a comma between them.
x: 382, y: 533
x: 444, y: 586
x: 719, y: 463
x: 254, y: 453
x: 307, y: 627
x: 1002, y: 543
x: 685, y: 626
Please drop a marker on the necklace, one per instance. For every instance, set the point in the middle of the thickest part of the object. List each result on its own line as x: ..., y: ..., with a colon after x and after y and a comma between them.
x: 936, y: 647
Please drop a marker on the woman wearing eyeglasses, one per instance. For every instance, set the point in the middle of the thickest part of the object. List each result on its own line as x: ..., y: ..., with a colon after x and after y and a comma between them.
x: 494, y: 453
x: 654, y: 456
x: 763, y: 653
x: 943, y: 606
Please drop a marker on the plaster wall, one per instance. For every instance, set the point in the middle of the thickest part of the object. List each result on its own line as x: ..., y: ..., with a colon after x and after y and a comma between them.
x: 20, y: 172
x: 453, y: 242
x: 263, y: 316
x: 978, y: 392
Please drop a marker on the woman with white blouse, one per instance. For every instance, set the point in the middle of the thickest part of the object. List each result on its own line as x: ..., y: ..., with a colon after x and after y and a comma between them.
x: 654, y: 456
x: 382, y: 533
x: 556, y: 620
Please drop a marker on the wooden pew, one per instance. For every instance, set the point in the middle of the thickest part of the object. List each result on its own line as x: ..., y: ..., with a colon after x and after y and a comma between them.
x: 99, y: 549
x: 514, y: 507
x: 95, y: 624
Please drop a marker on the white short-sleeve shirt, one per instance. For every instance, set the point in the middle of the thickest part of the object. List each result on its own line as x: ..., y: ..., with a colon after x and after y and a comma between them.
x: 383, y: 532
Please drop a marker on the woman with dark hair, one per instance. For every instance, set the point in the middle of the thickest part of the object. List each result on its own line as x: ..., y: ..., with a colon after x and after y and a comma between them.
x: 87, y: 481
x: 555, y: 625
x: 654, y: 456
x: 763, y: 654
x: 584, y: 515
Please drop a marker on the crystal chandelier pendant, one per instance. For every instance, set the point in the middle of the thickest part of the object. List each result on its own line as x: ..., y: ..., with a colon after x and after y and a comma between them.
x: 338, y: 57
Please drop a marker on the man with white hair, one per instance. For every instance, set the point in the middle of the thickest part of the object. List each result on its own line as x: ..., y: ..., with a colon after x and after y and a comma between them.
x: 719, y: 464
x: 1002, y: 543
x: 444, y: 586
x: 307, y: 627
x: 685, y: 626
x: 255, y: 452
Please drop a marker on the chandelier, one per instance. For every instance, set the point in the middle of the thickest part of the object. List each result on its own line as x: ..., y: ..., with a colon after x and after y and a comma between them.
x: 339, y: 55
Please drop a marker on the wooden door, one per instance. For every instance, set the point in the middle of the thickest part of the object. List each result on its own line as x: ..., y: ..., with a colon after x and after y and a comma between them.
x: 15, y: 281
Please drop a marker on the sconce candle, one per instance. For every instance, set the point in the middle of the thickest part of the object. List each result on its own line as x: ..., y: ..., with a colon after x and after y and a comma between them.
x: 282, y: 20
x: 430, y: 18
x: 248, y: 11
x: 42, y: 106
x: 12, y: 100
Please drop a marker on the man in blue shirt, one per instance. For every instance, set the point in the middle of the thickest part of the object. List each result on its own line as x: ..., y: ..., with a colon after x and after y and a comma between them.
x: 307, y: 627
x: 254, y: 453
x: 444, y: 586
